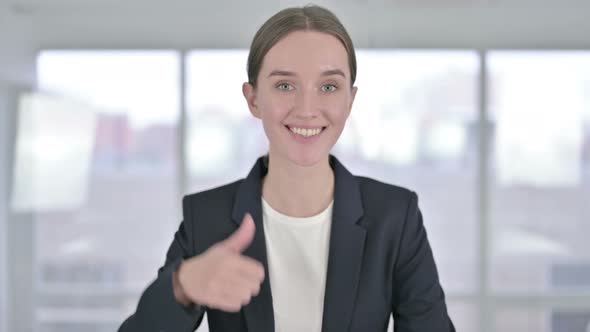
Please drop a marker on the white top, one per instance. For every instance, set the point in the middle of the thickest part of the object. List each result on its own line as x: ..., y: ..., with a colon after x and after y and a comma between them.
x: 297, y: 252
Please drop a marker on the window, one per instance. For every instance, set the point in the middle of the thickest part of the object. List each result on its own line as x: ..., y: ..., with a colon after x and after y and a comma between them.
x: 540, y: 113
x: 540, y: 188
x: 131, y: 203
x: 223, y: 139
x: 543, y: 319
x: 415, y: 123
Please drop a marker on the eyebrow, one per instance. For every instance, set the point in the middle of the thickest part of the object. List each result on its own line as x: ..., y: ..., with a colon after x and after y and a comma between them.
x: 333, y: 72
x: 290, y: 73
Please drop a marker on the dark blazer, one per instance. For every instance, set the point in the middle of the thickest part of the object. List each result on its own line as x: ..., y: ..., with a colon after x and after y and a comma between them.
x: 379, y: 262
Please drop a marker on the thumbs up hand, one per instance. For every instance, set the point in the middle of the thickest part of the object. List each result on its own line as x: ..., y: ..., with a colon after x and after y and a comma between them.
x: 242, y: 237
x: 221, y: 277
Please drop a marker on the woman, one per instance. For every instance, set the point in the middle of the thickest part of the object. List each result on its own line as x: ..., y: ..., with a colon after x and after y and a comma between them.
x: 300, y: 244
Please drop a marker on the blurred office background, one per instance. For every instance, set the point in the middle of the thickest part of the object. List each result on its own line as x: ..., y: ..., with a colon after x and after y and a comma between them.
x: 111, y: 111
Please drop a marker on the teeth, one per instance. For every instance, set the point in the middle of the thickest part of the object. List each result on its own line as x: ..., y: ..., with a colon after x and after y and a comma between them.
x: 306, y: 132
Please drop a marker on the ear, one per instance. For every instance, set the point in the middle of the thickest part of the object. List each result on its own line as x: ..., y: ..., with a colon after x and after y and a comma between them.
x: 249, y: 93
x: 354, y: 90
x: 352, y: 95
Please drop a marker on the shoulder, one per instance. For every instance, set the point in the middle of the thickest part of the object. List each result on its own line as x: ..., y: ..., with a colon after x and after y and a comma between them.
x: 381, y: 198
x: 373, y: 188
x: 206, y: 215
x: 220, y: 195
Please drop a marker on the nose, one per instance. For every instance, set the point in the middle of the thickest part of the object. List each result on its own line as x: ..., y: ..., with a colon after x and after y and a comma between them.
x: 307, y: 105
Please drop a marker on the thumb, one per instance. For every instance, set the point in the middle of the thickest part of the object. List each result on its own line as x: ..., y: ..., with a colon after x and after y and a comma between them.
x: 242, y: 237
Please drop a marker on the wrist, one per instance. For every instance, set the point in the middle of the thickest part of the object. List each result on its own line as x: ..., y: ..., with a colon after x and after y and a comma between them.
x: 179, y: 291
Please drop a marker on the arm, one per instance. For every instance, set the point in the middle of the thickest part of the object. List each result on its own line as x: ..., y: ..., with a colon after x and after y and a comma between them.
x: 418, y: 299
x: 158, y: 309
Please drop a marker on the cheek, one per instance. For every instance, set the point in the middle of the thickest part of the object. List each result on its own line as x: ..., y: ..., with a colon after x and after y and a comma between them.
x: 273, y: 112
x: 338, y: 112
x: 275, y: 109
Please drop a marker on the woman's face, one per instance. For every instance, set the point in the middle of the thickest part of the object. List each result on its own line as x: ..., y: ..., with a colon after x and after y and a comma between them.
x: 303, y: 96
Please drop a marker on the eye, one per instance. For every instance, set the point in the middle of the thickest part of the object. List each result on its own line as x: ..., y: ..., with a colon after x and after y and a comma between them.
x: 285, y: 86
x: 329, y: 88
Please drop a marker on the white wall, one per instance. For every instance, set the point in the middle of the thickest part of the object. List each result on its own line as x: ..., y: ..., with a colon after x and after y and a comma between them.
x: 3, y: 209
x: 27, y: 26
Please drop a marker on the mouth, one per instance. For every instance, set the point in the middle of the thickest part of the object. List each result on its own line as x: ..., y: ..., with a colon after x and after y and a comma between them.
x: 306, y: 132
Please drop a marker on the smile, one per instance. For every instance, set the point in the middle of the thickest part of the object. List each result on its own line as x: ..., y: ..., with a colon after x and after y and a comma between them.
x: 306, y: 132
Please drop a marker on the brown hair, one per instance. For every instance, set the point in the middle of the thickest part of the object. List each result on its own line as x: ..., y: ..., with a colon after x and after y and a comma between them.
x: 311, y: 18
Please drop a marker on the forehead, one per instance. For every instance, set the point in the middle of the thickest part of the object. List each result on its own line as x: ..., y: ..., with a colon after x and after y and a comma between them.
x: 306, y: 52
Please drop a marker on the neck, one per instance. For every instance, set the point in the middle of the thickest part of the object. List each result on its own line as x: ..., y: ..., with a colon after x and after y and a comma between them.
x: 298, y: 191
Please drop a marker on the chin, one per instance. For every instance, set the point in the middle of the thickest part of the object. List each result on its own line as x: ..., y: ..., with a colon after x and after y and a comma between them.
x: 308, y: 160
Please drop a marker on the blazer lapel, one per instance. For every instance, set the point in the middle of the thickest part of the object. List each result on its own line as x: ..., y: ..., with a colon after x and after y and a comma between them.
x: 347, y: 242
x: 259, y: 312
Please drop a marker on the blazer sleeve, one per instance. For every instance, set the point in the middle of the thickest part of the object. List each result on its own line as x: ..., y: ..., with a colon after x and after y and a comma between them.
x: 418, y: 299
x: 158, y: 309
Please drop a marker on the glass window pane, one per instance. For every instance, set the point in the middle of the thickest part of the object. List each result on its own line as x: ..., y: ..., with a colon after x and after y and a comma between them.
x: 223, y: 138
x: 94, y: 258
x: 533, y: 319
x: 414, y: 123
x: 540, y: 113
x: 465, y: 315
